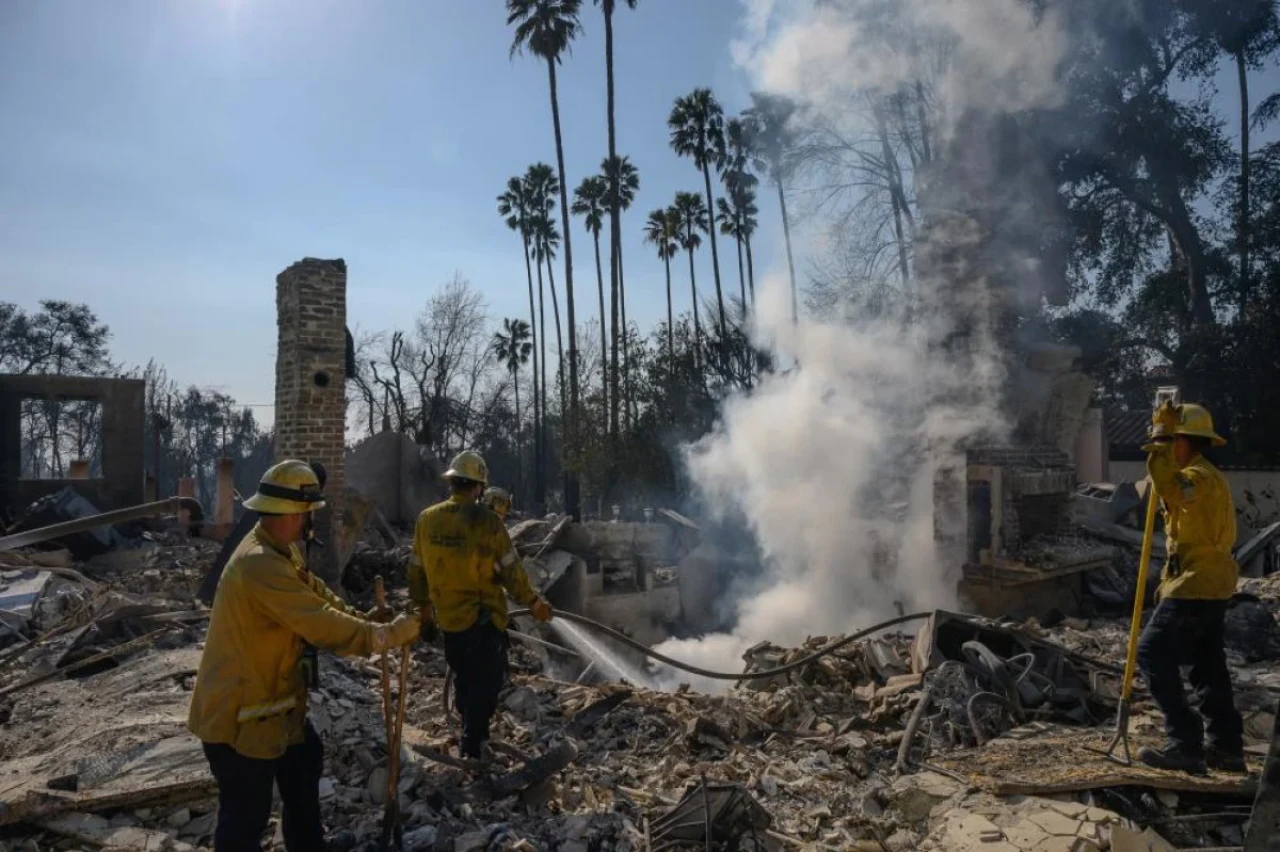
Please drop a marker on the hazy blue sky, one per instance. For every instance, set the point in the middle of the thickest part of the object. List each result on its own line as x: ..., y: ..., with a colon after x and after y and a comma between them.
x: 163, y: 160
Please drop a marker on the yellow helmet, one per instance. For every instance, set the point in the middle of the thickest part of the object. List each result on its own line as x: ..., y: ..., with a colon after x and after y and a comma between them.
x: 288, y: 488
x: 468, y: 465
x: 498, y: 499
x: 1196, y: 421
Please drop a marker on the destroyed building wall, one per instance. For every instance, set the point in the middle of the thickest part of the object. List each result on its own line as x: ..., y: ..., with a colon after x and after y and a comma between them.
x: 122, y: 401
x: 989, y: 256
x: 397, y: 474
x: 310, y: 424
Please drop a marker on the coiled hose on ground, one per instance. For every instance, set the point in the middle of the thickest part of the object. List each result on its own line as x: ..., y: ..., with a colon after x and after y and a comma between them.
x: 829, y: 648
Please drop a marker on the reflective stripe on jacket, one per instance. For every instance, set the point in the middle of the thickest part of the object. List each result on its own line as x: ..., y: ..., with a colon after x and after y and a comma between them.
x: 1199, y: 524
x: 249, y: 691
x: 463, y: 560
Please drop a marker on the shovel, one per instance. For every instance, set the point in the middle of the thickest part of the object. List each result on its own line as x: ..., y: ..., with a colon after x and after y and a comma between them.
x: 393, y: 718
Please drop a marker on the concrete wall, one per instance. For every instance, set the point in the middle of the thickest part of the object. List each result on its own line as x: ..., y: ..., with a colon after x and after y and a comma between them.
x: 389, y: 468
x: 122, y: 400
x: 311, y: 318
x: 643, y: 616
x: 1255, y: 482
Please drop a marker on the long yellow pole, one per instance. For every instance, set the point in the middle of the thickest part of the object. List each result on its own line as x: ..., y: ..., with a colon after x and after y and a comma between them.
x: 1135, y: 628
x: 1139, y: 597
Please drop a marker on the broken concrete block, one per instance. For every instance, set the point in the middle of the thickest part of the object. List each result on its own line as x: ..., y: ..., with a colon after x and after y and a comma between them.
x: 914, y: 796
x: 420, y: 838
x: 523, y: 702
x: 1056, y: 823
x: 1128, y: 840
x: 178, y: 818
x: 471, y: 842
x: 198, y: 827
x: 1025, y: 834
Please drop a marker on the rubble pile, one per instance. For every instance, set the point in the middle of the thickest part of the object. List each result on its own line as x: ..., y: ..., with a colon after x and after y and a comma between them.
x: 934, y: 741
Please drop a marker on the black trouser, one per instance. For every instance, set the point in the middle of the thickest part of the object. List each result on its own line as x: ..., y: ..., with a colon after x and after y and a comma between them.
x: 478, y: 657
x: 1190, y: 633
x: 244, y: 796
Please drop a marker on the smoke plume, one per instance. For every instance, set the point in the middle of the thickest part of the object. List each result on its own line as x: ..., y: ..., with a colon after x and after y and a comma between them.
x: 834, y: 462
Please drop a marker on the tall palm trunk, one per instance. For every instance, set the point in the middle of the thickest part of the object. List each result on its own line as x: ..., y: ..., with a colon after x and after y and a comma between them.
x: 615, y: 384
x: 715, y: 254
x: 786, y: 232
x: 615, y: 225
x: 604, y: 344
x: 542, y: 432
x: 751, y: 270
x: 571, y: 496
x: 628, y: 399
x: 555, y: 310
x: 742, y: 275
x: 515, y: 383
x: 697, y: 324
x: 671, y: 334
x: 539, y: 490
x: 1243, y: 233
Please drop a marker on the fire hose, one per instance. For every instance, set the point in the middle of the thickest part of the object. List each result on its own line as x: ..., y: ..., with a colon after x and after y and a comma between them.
x: 829, y: 648
x: 618, y: 636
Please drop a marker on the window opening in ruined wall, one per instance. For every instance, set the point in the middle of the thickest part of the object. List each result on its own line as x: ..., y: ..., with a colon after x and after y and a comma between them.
x: 61, y: 438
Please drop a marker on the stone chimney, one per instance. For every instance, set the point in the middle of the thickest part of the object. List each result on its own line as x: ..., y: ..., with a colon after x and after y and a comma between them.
x: 310, y: 423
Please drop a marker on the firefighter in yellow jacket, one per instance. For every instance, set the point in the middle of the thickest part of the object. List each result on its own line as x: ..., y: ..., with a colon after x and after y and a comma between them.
x: 463, y: 567
x: 250, y: 701
x: 1199, y: 577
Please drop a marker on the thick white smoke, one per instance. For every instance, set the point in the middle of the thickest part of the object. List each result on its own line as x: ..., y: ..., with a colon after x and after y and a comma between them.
x: 833, y: 462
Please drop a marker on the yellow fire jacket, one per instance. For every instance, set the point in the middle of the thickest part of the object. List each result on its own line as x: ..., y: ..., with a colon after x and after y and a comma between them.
x: 1199, y: 524
x: 250, y: 693
x: 463, y: 560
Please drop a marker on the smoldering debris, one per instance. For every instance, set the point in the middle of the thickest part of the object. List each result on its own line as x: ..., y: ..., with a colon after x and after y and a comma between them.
x: 853, y: 751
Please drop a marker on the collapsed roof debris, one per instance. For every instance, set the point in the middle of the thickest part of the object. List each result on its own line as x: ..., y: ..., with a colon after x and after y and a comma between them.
x: 931, y: 741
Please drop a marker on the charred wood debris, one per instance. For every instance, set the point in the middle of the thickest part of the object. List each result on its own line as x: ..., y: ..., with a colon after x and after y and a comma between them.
x: 968, y: 734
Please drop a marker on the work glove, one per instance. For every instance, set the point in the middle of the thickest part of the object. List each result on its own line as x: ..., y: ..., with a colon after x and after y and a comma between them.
x: 402, y: 631
x: 380, y: 614
x: 1164, y: 420
x: 541, y: 610
x: 429, y: 632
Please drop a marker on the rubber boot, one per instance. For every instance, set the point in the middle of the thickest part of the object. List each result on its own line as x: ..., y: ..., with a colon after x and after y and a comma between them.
x: 1225, y: 761
x: 1172, y: 758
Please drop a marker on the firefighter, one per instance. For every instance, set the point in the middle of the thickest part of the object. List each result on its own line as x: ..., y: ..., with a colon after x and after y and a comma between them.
x: 499, y: 500
x: 1199, y: 577
x: 249, y: 705
x: 463, y: 560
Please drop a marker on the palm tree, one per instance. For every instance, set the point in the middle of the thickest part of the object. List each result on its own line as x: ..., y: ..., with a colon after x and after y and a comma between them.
x: 589, y: 202
x: 697, y: 131
x: 516, y: 204
x: 546, y: 239
x: 745, y: 203
x: 546, y: 28
x: 1249, y: 33
x: 623, y: 183
x: 511, y: 348
x: 615, y: 219
x: 689, y: 213
x: 772, y: 141
x: 540, y: 188
x: 730, y: 222
x: 740, y: 184
x: 662, y: 230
